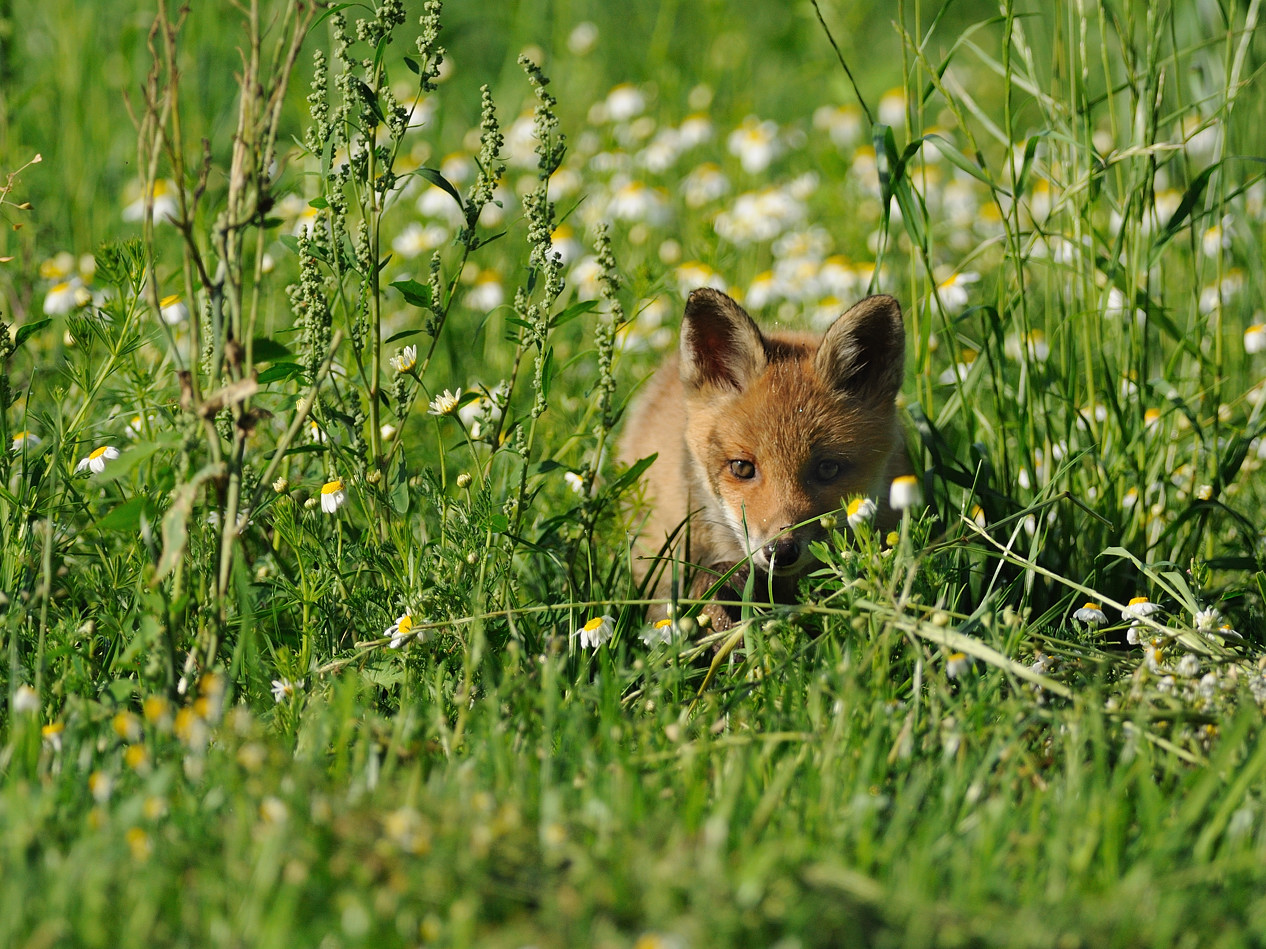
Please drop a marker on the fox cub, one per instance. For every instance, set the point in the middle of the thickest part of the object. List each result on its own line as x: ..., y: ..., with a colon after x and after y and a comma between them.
x: 758, y: 435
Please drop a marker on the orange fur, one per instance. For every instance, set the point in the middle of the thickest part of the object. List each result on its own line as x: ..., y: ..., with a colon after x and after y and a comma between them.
x: 757, y: 433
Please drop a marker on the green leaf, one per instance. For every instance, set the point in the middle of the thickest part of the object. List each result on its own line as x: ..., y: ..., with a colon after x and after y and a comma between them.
x: 337, y: 8
x: 414, y: 293
x: 280, y: 371
x: 26, y: 330
x: 547, y: 373
x: 886, y: 161
x: 913, y: 212
x: 399, y: 498
x: 403, y: 334
x: 635, y: 471
x: 432, y: 175
x: 573, y: 311
x: 130, y: 458
x: 268, y: 350
x: 962, y: 162
x: 1030, y: 149
x: 127, y: 516
x: 369, y: 97
x: 498, y: 523
x: 1178, y: 220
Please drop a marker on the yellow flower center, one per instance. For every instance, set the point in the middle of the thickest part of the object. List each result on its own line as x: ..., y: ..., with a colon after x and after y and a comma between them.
x: 593, y: 624
x: 1094, y: 606
x: 1139, y: 599
x: 663, y: 623
x: 169, y: 300
x: 98, y: 452
x: 906, y: 481
x: 332, y: 487
x: 405, y: 625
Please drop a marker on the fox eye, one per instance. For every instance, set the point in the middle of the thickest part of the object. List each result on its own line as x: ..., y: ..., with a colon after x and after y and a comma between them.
x: 743, y: 469
x: 828, y: 470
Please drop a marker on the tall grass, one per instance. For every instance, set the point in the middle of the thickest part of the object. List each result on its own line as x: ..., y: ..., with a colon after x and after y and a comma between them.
x: 301, y: 660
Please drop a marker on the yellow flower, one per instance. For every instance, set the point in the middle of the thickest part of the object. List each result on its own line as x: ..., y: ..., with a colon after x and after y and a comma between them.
x: 401, y: 630
x: 172, y: 309
x: 406, y: 359
x: 139, y: 843
x: 661, y: 631
x: 25, y: 700
x: 52, y: 733
x: 596, y: 632
x: 332, y: 496
x: 96, y: 461
x: 1091, y: 614
x: 99, y: 786
x: 136, y: 757
x: 1255, y: 338
x: 445, y: 404
x: 157, y: 711
x: 127, y: 726
x: 860, y: 511
x: 904, y: 493
x: 23, y: 439
x: 284, y: 689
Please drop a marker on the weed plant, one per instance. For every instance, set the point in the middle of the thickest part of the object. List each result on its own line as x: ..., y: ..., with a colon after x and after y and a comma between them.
x: 316, y: 601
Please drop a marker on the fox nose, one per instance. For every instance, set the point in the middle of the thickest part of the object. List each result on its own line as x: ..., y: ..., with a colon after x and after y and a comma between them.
x: 782, y: 552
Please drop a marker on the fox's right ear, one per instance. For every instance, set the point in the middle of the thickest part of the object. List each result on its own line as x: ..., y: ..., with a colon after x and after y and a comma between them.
x: 720, y: 345
x: 864, y: 351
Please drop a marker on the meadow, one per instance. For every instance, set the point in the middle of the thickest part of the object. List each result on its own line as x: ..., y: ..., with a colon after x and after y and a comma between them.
x: 318, y: 623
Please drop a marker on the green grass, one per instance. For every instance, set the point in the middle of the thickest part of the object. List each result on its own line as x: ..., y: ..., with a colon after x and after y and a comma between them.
x: 206, y: 736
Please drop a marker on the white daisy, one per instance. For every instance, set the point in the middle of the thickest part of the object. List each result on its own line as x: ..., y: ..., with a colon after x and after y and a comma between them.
x: 173, y: 310
x: 860, y: 511
x: 24, y: 439
x: 596, y: 632
x: 401, y: 630
x: 284, y: 688
x: 1255, y: 338
x: 96, y: 461
x: 957, y: 664
x: 663, y: 631
x: 904, y: 493
x: 1138, y: 608
x: 406, y: 359
x: 1091, y: 614
x: 445, y: 404
x: 332, y: 496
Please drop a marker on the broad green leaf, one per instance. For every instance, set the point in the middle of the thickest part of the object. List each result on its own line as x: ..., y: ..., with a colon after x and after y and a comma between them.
x: 432, y: 175
x: 268, y: 350
x: 26, y: 330
x: 127, y: 516
x: 414, y: 293
x: 573, y: 311
x: 280, y: 371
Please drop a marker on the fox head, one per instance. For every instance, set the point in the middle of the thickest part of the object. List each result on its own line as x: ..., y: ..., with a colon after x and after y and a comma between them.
x: 784, y: 428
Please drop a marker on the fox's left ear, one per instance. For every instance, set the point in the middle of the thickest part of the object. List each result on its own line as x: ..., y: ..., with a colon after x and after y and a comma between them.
x: 864, y: 351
